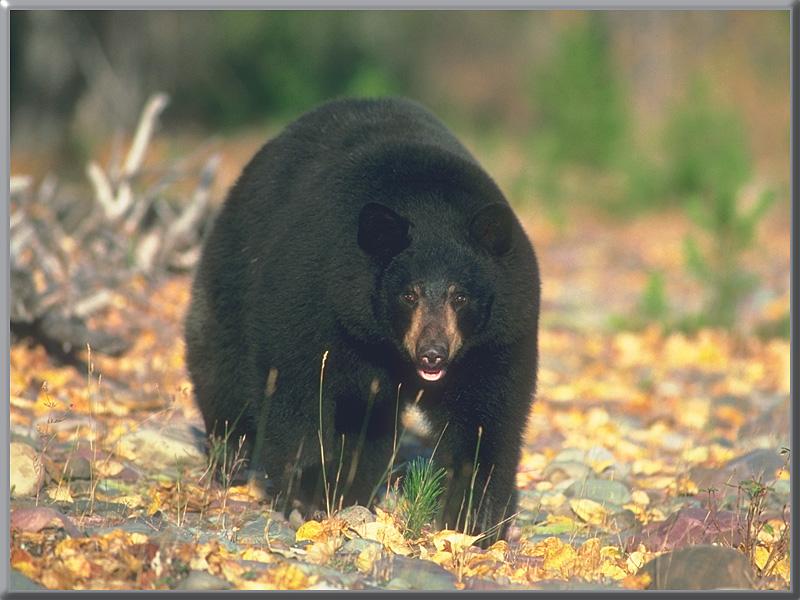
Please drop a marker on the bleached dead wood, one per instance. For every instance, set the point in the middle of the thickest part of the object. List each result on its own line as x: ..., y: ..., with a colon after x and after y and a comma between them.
x: 66, y: 270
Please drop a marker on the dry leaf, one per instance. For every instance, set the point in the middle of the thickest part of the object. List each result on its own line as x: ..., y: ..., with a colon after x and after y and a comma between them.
x: 590, y: 511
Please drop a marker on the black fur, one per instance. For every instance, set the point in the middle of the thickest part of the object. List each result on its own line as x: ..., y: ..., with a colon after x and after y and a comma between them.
x: 326, y: 227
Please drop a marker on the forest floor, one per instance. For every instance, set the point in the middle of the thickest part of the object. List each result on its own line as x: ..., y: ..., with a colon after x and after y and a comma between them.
x: 652, y: 458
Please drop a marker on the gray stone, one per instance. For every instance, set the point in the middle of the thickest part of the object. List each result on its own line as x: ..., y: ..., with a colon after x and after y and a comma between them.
x: 759, y: 464
x: 161, y: 448
x: 253, y: 532
x: 570, y: 455
x: 414, y: 574
x: 356, y: 515
x: 599, y: 454
x: 674, y: 441
x: 700, y: 568
x: 358, y: 545
x: 559, y: 470
x: 202, y: 580
x: 623, y: 520
x: 26, y: 472
x: 603, y: 491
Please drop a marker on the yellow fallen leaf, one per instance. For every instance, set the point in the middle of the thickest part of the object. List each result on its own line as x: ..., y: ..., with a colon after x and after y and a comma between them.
x: 454, y: 542
x: 658, y: 482
x: 611, y: 570
x: 385, y: 530
x: 644, y: 466
x: 760, y: 556
x: 258, y: 555
x: 590, y: 511
x: 321, y: 551
x: 635, y: 562
x: 367, y: 557
x: 78, y: 565
x: 640, y: 581
x: 60, y: 494
x: 310, y: 530
x: 108, y: 468
x: 135, y: 537
x: 552, y: 500
x: 290, y: 577
x: 695, y: 413
x: 498, y: 550
x: 232, y: 570
x: 695, y: 455
x: 130, y: 500
x: 23, y: 562
x: 559, y: 557
x: 640, y: 497
x: 783, y: 569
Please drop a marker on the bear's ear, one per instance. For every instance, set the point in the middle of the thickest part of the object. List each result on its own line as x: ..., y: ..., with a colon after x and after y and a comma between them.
x: 491, y: 228
x: 381, y: 231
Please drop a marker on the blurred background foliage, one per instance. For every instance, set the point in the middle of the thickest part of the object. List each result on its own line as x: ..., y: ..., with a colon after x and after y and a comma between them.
x: 621, y: 111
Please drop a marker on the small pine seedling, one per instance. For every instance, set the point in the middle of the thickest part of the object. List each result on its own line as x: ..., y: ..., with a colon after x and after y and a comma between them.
x: 422, y: 488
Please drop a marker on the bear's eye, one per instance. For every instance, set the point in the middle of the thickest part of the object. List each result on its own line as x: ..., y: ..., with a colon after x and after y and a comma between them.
x: 410, y: 297
x: 460, y: 299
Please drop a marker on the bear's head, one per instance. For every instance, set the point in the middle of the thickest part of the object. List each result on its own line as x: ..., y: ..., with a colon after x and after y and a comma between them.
x: 436, y: 281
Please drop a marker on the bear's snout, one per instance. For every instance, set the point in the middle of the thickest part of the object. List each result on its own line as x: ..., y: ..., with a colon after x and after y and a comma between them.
x: 432, y: 357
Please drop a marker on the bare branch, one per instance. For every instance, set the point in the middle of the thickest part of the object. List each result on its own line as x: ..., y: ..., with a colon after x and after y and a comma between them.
x: 184, y: 230
x: 154, y: 107
x: 102, y: 189
x: 89, y: 305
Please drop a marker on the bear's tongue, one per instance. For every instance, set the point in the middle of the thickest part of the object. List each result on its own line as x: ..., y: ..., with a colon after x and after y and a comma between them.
x: 431, y: 375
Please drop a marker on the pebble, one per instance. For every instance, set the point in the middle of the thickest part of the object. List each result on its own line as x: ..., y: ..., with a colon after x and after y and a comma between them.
x: 202, y: 580
x: 253, y: 532
x: 414, y: 574
x: 758, y: 464
x: 356, y: 515
x: 604, y: 491
x: 25, y: 470
x: 700, y: 568
x: 161, y: 448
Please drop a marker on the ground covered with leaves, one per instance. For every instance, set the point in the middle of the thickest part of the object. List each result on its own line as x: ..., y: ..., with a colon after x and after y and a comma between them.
x: 653, y: 458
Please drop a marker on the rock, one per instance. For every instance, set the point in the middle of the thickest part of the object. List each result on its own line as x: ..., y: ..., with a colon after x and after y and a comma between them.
x: 17, y: 582
x: 253, y: 532
x: 558, y: 471
x: 700, y: 568
x: 571, y: 455
x: 603, y: 491
x: 623, y: 520
x: 599, y: 458
x: 414, y: 574
x: 674, y: 441
x: 202, y: 580
x: 689, y: 527
x: 25, y: 470
x: 149, y: 526
x: 761, y: 464
x: 36, y: 518
x: 358, y: 545
x: 356, y: 515
x: 156, y: 448
x: 296, y: 520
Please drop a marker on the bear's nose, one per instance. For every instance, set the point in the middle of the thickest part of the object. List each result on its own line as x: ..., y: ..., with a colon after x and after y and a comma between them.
x: 433, y: 357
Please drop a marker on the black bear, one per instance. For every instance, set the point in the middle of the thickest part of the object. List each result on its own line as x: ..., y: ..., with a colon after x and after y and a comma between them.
x: 364, y: 260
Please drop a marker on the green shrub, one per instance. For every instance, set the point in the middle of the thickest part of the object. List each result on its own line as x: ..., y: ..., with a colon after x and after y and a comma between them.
x: 582, y: 112
x: 419, y: 500
x: 705, y: 149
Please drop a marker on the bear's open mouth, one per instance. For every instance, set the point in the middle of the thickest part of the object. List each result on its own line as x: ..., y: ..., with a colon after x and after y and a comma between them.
x: 434, y: 374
